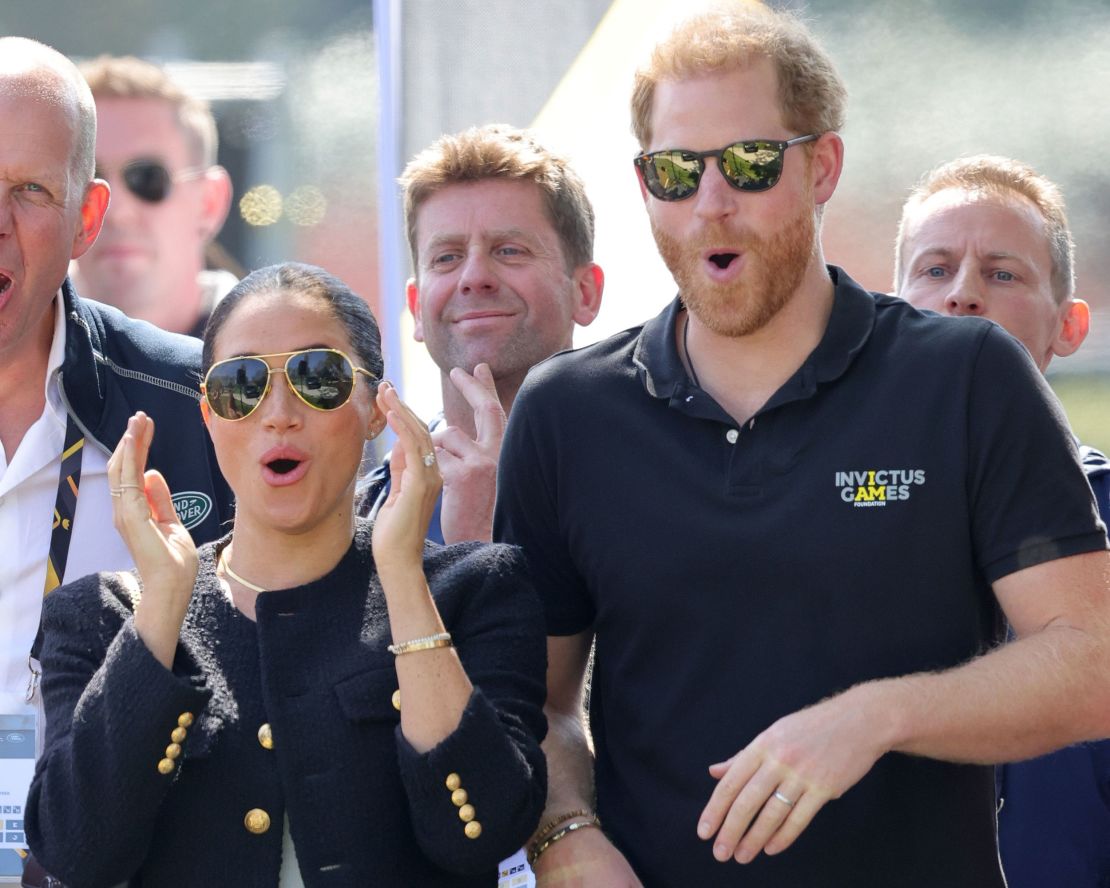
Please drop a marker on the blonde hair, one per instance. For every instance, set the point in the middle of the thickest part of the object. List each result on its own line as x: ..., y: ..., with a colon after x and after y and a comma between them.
x: 811, y: 94
x: 1001, y: 177
x: 498, y: 151
x: 127, y: 77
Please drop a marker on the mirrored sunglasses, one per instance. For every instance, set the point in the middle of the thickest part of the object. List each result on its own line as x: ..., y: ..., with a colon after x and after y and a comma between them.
x: 323, y: 378
x: 748, y: 165
x: 151, y: 181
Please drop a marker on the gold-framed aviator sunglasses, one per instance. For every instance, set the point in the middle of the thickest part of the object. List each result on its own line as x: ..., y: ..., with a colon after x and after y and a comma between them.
x: 323, y: 378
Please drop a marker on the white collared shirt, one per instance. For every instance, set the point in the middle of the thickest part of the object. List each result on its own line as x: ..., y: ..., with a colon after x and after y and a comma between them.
x: 28, y: 490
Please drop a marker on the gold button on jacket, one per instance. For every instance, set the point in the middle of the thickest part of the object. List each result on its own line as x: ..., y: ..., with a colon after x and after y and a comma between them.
x: 256, y: 821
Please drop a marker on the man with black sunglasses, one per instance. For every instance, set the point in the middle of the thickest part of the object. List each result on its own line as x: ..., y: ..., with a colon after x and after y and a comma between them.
x: 72, y: 372
x: 791, y: 513
x: 156, y: 146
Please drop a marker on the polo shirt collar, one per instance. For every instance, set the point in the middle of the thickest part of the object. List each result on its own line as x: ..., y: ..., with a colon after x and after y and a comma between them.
x: 850, y: 324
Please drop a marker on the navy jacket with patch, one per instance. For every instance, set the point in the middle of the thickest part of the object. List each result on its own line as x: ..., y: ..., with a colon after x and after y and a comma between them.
x: 115, y: 365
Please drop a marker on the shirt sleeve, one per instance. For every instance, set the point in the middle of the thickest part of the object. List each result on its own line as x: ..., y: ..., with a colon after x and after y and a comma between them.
x: 1030, y: 499
x: 494, y: 755
x: 530, y: 474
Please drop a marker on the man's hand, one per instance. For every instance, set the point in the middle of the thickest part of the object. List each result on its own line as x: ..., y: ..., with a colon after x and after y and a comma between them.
x: 469, y: 465
x: 770, y: 791
x: 584, y: 859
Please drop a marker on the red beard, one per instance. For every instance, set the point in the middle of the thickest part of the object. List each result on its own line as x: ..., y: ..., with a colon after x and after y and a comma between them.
x: 774, y: 268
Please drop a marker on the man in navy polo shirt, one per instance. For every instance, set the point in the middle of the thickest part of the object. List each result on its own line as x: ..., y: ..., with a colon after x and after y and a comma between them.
x: 988, y: 236
x: 793, y: 514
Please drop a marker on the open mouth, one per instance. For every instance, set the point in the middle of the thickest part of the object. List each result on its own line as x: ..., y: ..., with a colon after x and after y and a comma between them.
x: 723, y: 260
x: 5, y: 283
x: 283, y: 466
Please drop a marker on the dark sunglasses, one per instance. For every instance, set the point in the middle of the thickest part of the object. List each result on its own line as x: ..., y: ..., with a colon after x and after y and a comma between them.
x: 323, y: 378
x: 749, y: 165
x: 149, y: 180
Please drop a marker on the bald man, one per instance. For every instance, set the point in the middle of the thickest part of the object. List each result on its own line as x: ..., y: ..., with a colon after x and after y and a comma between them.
x: 71, y: 373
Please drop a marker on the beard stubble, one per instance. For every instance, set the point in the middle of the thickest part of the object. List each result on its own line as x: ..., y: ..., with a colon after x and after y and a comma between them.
x: 774, y: 268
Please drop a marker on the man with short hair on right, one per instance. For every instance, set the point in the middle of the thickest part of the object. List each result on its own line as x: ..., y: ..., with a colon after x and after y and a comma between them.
x: 795, y: 516
x: 156, y: 146
x: 988, y: 236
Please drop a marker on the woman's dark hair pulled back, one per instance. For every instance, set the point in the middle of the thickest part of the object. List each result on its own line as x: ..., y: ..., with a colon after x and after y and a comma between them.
x: 310, y: 280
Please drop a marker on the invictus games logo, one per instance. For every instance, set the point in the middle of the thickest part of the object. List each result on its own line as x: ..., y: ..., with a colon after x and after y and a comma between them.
x: 192, y: 507
x: 877, y: 487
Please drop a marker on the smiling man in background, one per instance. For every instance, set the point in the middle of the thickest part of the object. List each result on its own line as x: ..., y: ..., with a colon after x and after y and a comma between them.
x: 501, y: 234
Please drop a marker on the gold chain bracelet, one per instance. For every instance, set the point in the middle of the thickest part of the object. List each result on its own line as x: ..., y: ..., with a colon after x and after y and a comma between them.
x: 539, y: 847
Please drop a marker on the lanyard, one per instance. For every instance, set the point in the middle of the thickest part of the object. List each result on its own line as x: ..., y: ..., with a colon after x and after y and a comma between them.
x: 65, y: 509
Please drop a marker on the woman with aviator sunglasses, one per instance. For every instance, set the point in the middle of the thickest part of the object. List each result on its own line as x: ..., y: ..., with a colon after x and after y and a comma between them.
x: 314, y: 699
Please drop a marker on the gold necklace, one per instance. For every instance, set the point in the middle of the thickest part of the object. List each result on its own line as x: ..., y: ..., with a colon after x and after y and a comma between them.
x: 227, y: 569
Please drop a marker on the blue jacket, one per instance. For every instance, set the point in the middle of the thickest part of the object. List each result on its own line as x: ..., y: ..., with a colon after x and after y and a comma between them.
x: 373, y: 491
x: 115, y: 365
x: 1054, y: 820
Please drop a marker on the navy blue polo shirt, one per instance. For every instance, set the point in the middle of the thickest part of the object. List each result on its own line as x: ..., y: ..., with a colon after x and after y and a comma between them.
x: 735, y: 574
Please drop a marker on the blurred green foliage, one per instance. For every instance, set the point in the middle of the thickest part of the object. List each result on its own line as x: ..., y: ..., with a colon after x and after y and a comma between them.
x: 1086, y: 400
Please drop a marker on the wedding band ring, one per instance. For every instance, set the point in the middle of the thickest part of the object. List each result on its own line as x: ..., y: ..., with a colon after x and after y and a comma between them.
x: 429, y: 459
x: 130, y: 487
x: 115, y: 491
x: 783, y: 799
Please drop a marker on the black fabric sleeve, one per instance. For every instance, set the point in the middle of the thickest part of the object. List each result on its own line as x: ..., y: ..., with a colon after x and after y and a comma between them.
x: 527, y: 510
x: 1030, y: 499
x: 110, y: 709
x: 495, y: 750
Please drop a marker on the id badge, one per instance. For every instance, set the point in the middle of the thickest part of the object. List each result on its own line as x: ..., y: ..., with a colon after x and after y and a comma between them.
x: 514, y: 872
x: 17, y: 767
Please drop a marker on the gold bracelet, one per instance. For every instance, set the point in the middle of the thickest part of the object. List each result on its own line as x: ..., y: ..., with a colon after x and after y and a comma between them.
x: 439, y: 640
x: 539, y: 848
x: 555, y: 822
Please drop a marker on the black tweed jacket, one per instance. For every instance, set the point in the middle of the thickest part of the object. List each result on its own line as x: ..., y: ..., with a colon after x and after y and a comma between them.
x: 363, y: 807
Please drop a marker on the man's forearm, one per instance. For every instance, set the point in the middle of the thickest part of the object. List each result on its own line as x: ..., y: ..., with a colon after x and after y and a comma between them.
x: 570, y: 766
x: 1021, y: 700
